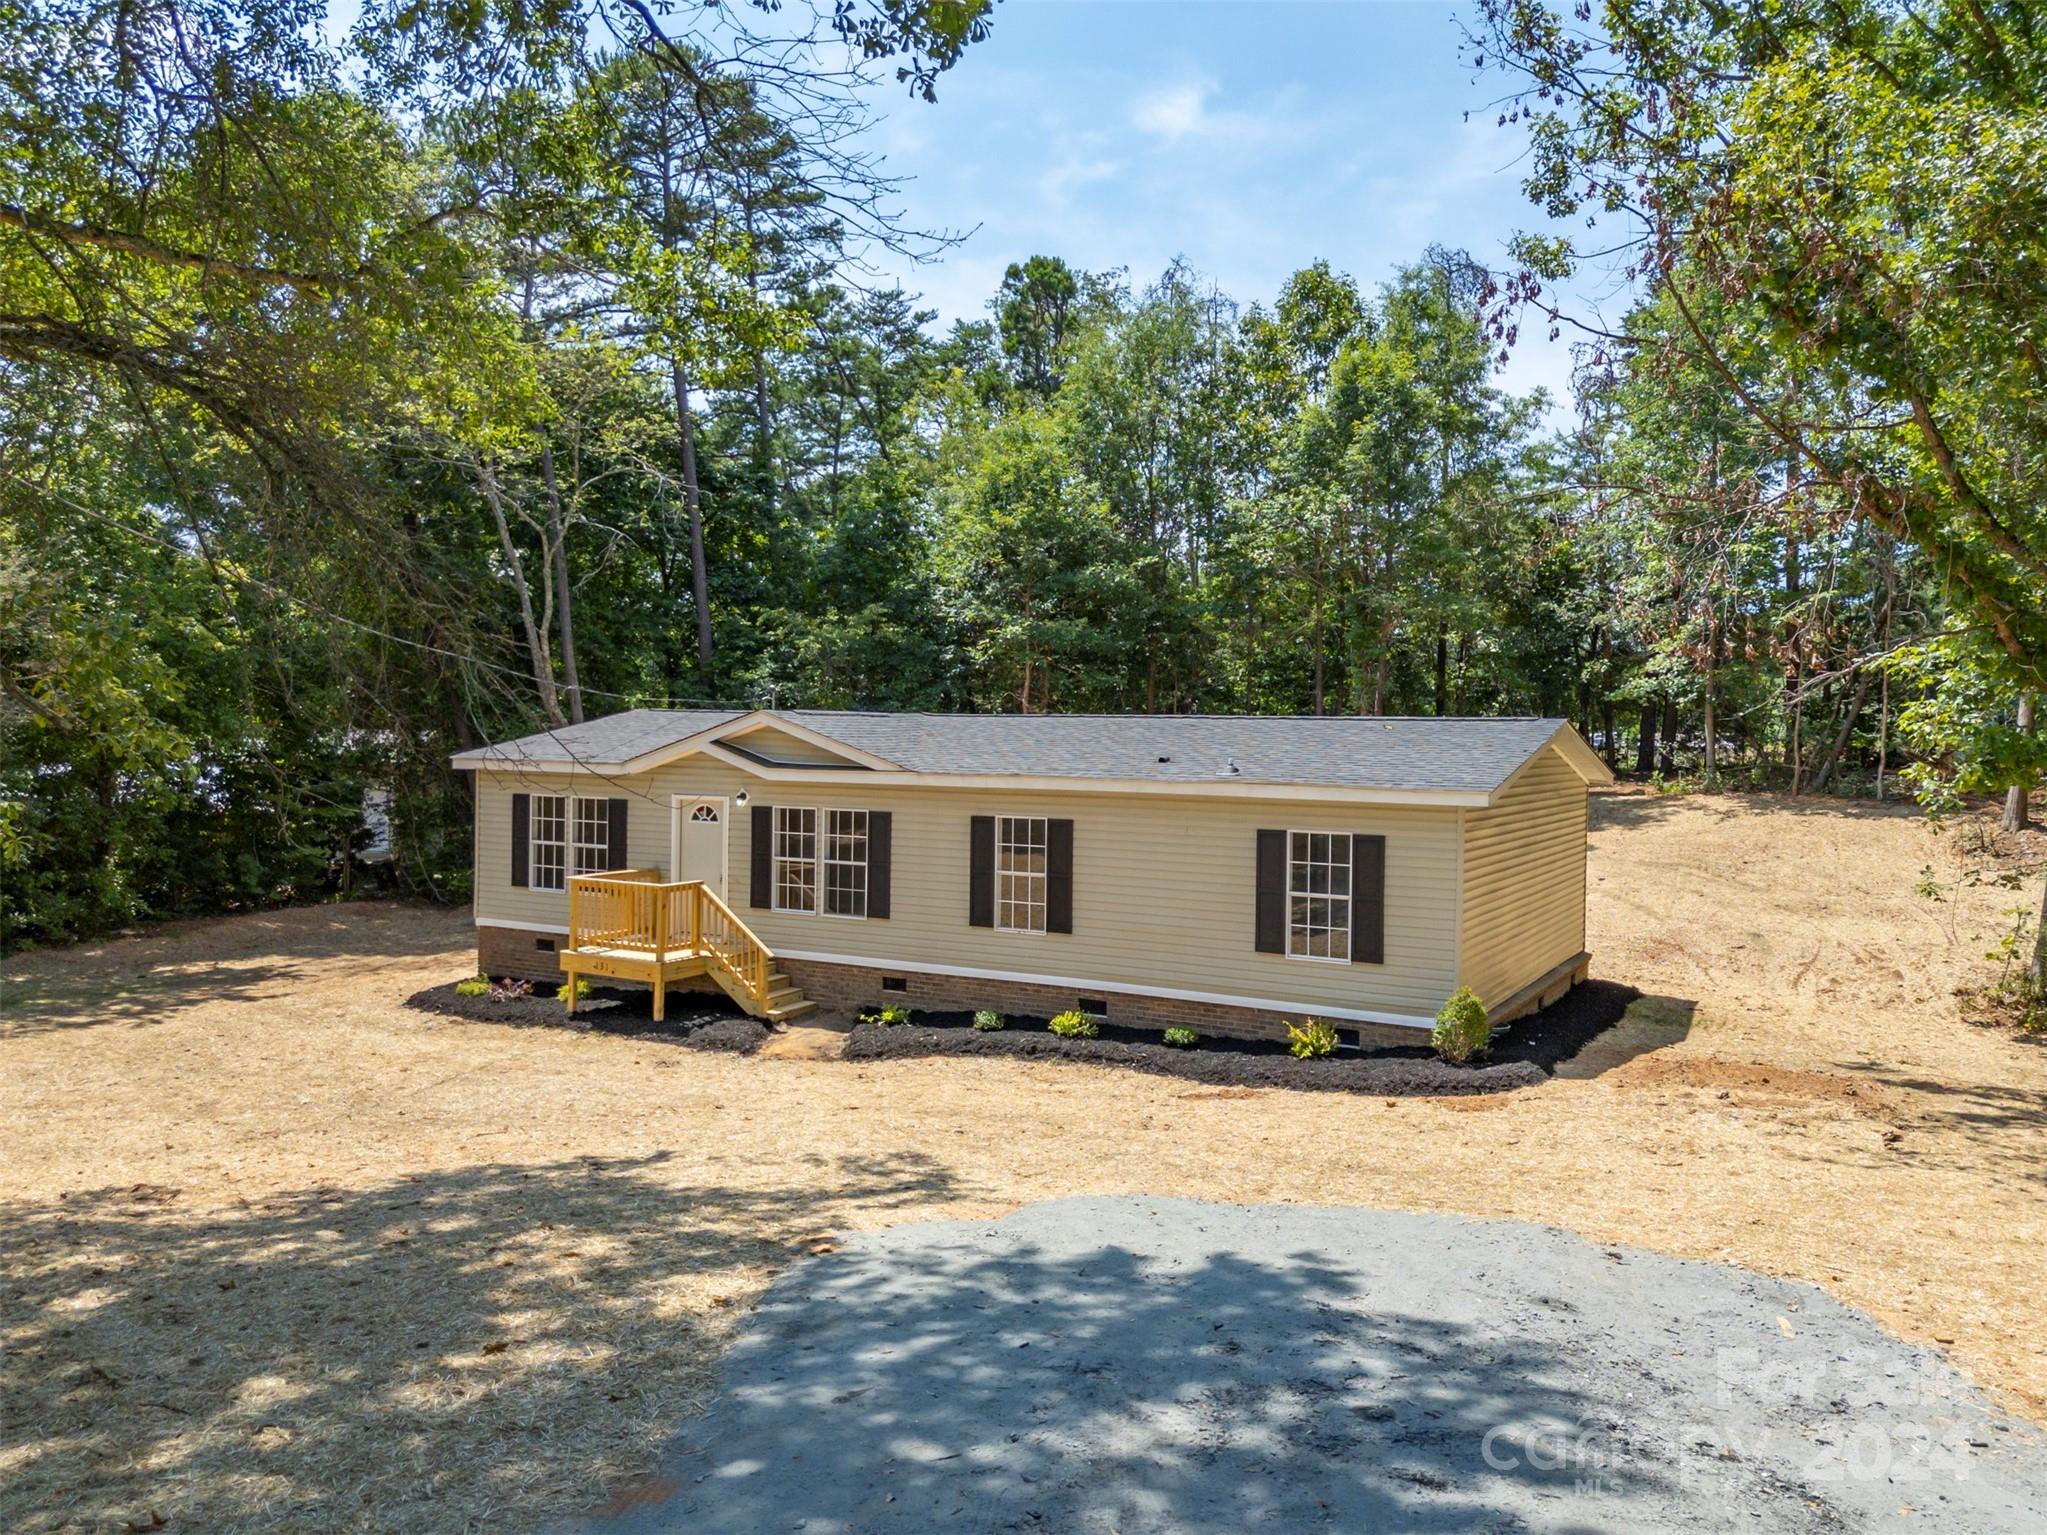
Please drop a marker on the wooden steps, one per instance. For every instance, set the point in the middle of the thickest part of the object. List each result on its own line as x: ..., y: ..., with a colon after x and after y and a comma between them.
x: 630, y: 925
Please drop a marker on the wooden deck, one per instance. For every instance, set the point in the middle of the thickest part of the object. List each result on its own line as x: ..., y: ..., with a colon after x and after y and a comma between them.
x: 630, y: 925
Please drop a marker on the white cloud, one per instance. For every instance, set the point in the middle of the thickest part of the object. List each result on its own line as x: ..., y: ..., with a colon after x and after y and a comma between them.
x: 1055, y: 184
x: 1173, y: 111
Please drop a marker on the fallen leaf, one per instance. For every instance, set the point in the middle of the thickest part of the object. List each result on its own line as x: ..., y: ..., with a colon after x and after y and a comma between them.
x: 1784, y: 1326
x: 495, y: 1348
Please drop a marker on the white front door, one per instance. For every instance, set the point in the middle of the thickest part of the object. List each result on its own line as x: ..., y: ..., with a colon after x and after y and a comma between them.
x: 700, y: 842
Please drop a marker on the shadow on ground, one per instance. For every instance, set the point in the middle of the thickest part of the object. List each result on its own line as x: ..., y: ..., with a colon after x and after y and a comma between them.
x: 160, y: 972
x: 1637, y: 805
x: 480, y: 1348
x: 1149, y: 1366
x: 1651, y: 1023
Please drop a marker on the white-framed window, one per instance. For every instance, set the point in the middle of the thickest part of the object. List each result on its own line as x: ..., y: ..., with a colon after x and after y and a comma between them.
x: 591, y: 848
x: 1318, y: 895
x: 566, y: 834
x: 547, y: 842
x: 1020, y: 873
x: 795, y: 858
x: 845, y: 863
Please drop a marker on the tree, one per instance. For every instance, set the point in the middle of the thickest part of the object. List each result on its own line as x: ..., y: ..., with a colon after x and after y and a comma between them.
x: 1859, y: 186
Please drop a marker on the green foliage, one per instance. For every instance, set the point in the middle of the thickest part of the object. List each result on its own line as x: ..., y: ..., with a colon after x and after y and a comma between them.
x: 987, y: 1020
x: 582, y: 990
x: 475, y: 986
x: 1310, y: 1039
x: 1074, y: 1024
x: 1462, y: 1033
x: 888, y: 1016
x: 350, y: 425
x: 1182, y: 1038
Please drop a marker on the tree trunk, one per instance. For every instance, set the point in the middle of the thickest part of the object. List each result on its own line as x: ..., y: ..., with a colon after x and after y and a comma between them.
x: 1318, y: 654
x: 515, y: 568
x: 699, y: 574
x: 565, y: 619
x: 1847, y: 731
x: 2036, y: 970
x: 2015, y: 807
x: 1442, y: 669
x: 1711, y: 765
x: 1606, y: 698
x: 1666, y: 750
x: 1645, y: 742
x: 1794, y: 671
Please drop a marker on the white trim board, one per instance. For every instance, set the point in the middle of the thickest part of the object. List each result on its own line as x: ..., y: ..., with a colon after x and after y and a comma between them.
x: 1028, y: 978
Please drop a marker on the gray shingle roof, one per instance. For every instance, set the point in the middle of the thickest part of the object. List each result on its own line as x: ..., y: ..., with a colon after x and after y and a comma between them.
x: 1347, y: 751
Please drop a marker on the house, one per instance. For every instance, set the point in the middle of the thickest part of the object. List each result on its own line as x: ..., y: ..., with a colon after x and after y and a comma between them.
x: 1229, y: 873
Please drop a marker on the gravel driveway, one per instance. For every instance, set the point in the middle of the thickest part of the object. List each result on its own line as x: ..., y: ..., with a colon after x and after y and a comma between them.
x: 1137, y: 1365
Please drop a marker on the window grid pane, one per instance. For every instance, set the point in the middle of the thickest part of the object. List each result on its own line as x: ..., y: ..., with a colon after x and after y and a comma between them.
x: 795, y: 858
x: 1020, y: 873
x: 593, y: 835
x: 845, y: 863
x: 547, y: 842
x: 1318, y: 895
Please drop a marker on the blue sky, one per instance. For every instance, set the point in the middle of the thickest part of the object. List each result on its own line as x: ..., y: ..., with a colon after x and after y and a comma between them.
x: 1249, y: 136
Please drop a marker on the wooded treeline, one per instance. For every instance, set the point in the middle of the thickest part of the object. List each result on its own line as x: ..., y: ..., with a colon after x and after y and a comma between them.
x: 363, y: 401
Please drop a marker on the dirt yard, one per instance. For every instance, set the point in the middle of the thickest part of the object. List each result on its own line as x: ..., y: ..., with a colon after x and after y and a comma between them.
x: 278, y: 1253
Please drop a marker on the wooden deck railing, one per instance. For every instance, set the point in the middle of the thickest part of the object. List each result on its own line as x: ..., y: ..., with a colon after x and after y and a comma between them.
x: 721, y: 935
x: 634, y: 910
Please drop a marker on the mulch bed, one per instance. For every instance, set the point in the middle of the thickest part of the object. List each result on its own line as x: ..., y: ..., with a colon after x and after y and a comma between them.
x: 1524, y: 1054
x: 697, y: 1019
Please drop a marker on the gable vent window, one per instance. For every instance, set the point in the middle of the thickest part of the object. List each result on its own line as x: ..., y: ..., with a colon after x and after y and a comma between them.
x: 845, y: 863
x: 1318, y: 895
x: 1020, y: 873
x: 795, y: 858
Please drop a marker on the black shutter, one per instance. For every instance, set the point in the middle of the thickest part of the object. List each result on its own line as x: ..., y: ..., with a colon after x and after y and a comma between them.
x: 880, y: 850
x: 1058, y: 876
x: 1367, y: 900
x: 522, y: 835
x: 615, y: 853
x: 1272, y: 892
x: 763, y: 856
x: 981, y: 873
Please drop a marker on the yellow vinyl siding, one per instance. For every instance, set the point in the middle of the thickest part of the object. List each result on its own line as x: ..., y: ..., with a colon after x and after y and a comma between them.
x: 1524, y: 879
x: 1164, y: 888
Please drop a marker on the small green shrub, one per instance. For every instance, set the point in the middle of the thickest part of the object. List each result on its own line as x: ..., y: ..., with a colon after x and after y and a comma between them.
x: 561, y: 992
x: 1182, y: 1038
x: 888, y: 1016
x: 1310, y: 1039
x: 475, y: 986
x: 987, y: 1020
x: 1074, y: 1024
x: 1462, y: 1033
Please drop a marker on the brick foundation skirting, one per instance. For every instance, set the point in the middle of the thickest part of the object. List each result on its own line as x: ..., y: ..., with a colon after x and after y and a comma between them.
x: 856, y: 988
x: 503, y: 951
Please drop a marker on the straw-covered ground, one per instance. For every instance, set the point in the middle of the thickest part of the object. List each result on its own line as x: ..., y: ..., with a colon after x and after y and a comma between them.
x: 278, y: 1252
